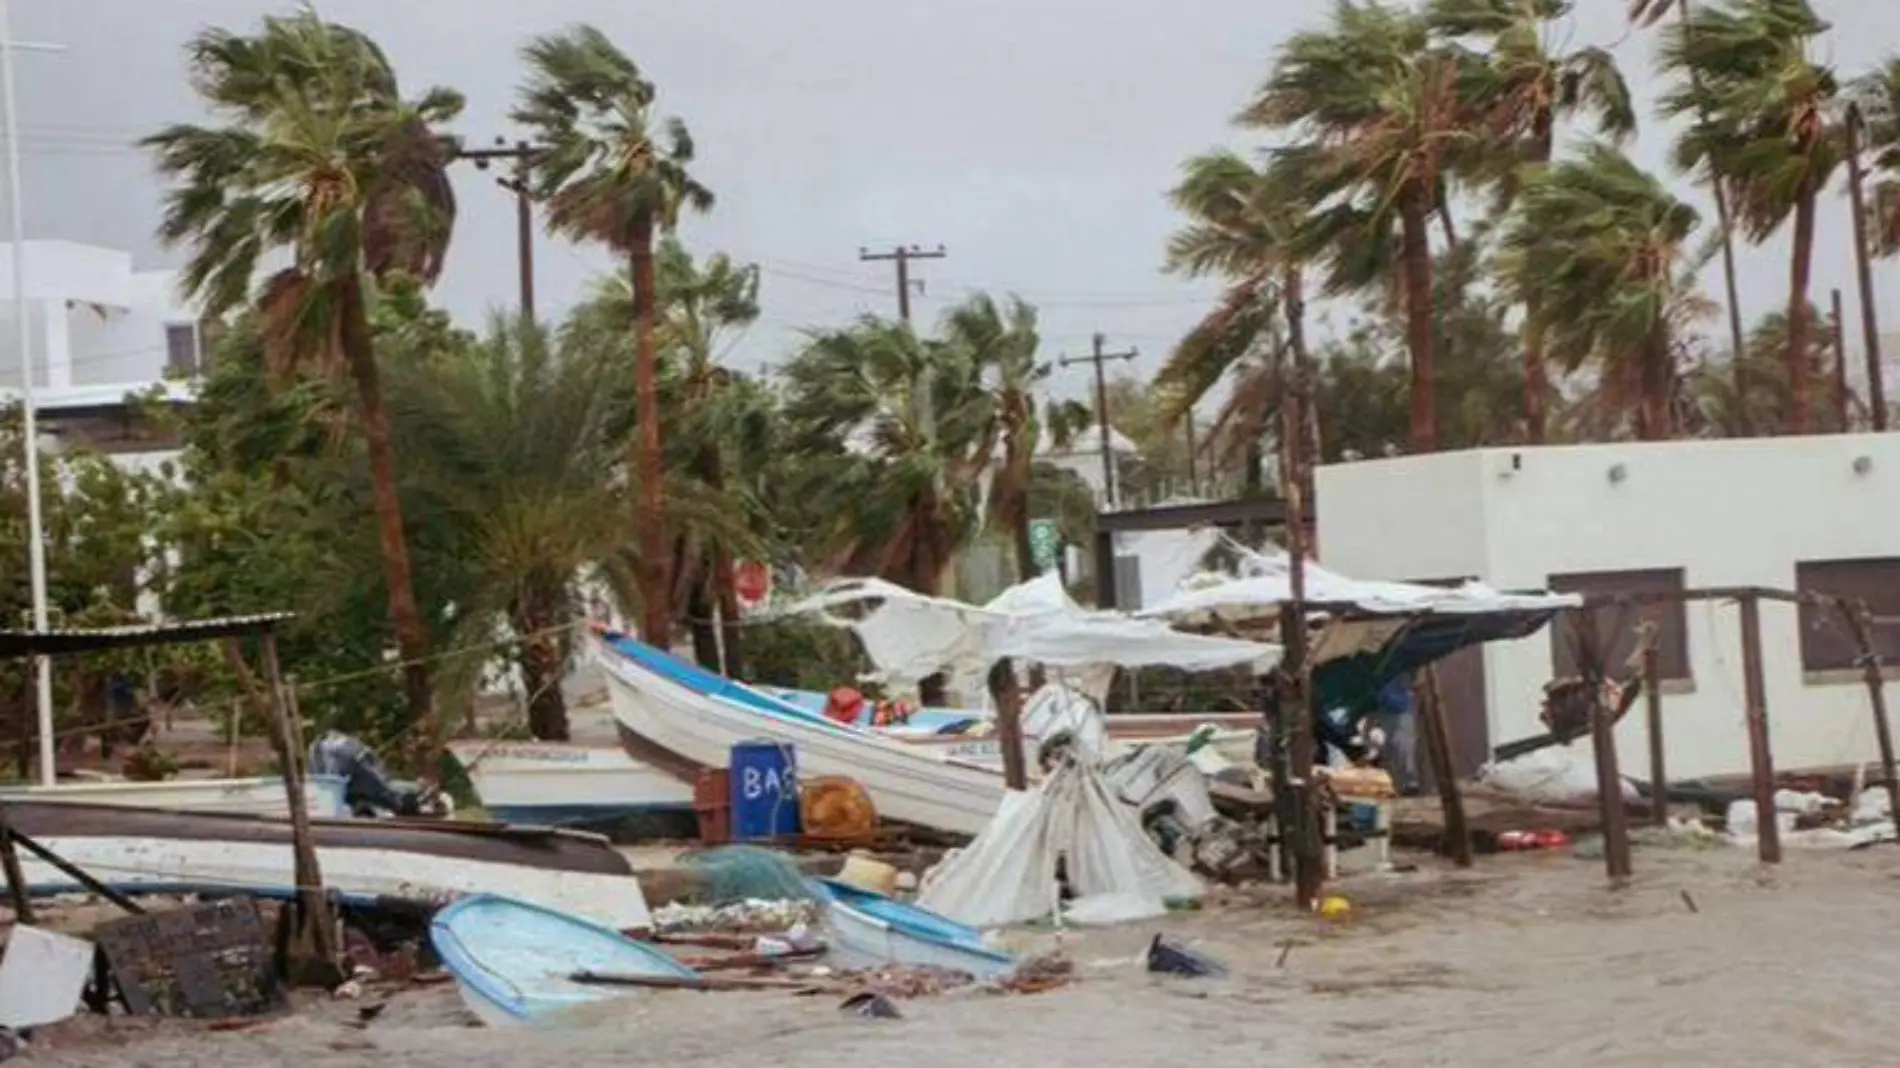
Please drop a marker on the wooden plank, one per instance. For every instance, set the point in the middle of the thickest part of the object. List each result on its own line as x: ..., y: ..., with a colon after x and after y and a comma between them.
x: 1658, y: 775
x: 207, y: 962
x: 1761, y: 756
x: 1451, y: 798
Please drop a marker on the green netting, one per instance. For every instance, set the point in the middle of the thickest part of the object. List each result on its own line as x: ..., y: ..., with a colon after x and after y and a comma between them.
x: 731, y: 874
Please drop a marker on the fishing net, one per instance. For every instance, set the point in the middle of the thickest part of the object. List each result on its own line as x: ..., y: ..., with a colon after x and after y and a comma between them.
x: 733, y: 874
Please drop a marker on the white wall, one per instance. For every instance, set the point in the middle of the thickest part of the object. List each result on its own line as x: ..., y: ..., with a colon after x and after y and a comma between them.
x: 94, y: 319
x: 1730, y: 513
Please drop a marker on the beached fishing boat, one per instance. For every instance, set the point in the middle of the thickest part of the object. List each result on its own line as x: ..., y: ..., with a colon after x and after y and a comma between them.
x: 250, y: 797
x: 678, y: 716
x: 590, y: 787
x: 145, y: 851
x: 868, y: 930
x: 513, y: 961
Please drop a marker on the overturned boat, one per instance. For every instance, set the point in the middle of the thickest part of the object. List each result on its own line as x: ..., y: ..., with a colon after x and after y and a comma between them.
x: 146, y: 851
x: 261, y: 796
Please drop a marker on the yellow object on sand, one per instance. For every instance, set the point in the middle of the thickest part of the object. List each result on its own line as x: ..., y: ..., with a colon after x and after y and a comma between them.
x: 1334, y: 908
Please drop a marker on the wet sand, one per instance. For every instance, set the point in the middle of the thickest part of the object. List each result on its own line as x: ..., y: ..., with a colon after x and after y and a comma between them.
x: 1530, y: 960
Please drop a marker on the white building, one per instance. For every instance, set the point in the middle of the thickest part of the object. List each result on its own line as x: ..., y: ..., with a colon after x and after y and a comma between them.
x: 1811, y: 513
x: 99, y: 329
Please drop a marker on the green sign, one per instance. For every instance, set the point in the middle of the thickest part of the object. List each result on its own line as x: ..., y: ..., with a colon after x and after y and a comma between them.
x: 1045, y: 541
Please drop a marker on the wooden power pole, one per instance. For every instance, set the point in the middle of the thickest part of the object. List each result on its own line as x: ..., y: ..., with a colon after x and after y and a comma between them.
x: 517, y: 183
x: 1100, y: 359
x: 901, y: 255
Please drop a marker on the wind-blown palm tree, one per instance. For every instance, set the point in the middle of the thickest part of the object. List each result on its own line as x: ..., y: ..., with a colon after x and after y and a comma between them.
x: 1761, y: 122
x: 319, y: 159
x: 612, y: 171
x: 1380, y: 126
x: 514, y: 445
x: 1002, y: 342
x: 1242, y: 227
x: 1524, y: 89
x: 1598, y: 248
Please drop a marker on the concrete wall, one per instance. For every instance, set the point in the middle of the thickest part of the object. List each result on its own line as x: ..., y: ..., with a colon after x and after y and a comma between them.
x: 94, y: 320
x: 1730, y: 513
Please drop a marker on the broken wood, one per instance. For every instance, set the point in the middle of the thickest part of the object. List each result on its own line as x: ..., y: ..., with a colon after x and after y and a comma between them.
x: 1761, y: 755
x: 16, y: 881
x: 1007, y: 696
x: 314, y: 956
x: 1451, y: 798
x: 1860, y: 625
x: 75, y: 873
x: 1652, y: 697
x: 741, y: 961
x: 706, y: 983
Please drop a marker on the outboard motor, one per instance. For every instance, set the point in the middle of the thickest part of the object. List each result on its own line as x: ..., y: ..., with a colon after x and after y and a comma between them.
x: 368, y: 788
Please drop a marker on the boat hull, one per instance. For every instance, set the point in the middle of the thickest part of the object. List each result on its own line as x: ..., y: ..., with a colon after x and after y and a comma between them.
x: 588, y: 787
x: 146, y: 851
x: 670, y: 716
x: 323, y: 795
x: 858, y: 937
x: 513, y: 961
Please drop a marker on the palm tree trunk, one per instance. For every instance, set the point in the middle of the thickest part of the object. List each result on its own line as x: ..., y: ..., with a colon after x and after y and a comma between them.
x: 1652, y: 414
x: 1293, y: 295
x: 726, y: 596
x: 656, y: 610
x: 541, y: 662
x: 699, y: 624
x: 1414, y: 205
x: 1800, y: 324
x: 412, y: 641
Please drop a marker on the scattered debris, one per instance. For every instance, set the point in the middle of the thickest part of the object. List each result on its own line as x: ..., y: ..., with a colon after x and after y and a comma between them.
x: 42, y: 977
x: 1036, y: 975
x: 1689, y: 901
x: 751, y: 915
x: 1286, y: 950
x: 206, y: 961
x: 1333, y: 907
x: 1169, y: 958
x: 871, y: 1006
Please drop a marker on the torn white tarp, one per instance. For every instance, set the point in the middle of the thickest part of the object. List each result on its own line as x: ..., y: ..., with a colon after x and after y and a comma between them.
x: 1008, y: 874
x: 910, y: 636
x: 1264, y: 584
x: 42, y: 977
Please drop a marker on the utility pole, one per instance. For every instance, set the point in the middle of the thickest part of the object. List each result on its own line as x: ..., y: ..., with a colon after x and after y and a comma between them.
x: 1194, y: 481
x: 518, y: 183
x: 901, y: 255
x: 1100, y: 360
x: 1863, y: 270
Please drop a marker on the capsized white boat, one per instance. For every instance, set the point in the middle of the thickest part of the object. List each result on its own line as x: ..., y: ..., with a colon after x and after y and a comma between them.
x: 868, y: 930
x: 323, y: 795
x: 570, y: 784
x: 148, y: 851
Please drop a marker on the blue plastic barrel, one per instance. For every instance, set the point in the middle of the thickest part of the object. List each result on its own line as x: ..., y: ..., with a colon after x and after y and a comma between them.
x: 764, y: 783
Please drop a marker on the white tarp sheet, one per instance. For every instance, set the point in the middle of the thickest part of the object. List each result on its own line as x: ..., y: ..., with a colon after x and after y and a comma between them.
x: 1264, y: 583
x: 1008, y: 873
x: 42, y: 977
x: 910, y: 636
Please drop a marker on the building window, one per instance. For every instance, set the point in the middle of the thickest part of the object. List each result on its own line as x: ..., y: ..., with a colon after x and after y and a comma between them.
x: 181, y: 350
x: 1617, y: 624
x: 1827, y: 644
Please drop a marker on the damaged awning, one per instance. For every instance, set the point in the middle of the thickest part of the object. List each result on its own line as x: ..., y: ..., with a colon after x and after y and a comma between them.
x: 1264, y: 584
x: 910, y: 636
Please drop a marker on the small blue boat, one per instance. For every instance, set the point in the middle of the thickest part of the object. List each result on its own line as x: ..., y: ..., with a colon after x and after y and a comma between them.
x: 869, y: 930
x: 512, y: 961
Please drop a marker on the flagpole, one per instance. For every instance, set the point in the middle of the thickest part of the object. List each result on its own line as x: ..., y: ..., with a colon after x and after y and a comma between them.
x: 35, y: 531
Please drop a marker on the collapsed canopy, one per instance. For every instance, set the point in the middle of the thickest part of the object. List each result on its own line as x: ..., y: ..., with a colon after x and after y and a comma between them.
x: 911, y: 636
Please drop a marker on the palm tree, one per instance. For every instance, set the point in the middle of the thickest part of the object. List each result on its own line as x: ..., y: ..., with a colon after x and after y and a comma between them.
x: 1380, y: 125
x: 1525, y: 88
x: 1598, y: 248
x: 720, y: 418
x: 1002, y: 342
x: 1873, y: 122
x: 1242, y: 228
x: 903, y: 430
x: 612, y: 171
x: 321, y: 160
x: 1761, y: 123
x: 515, y: 448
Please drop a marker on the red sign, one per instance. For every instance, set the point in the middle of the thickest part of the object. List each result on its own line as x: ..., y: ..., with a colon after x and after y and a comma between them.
x: 752, y: 581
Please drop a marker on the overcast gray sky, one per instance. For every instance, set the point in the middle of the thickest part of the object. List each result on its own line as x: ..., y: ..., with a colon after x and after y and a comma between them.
x: 1035, y: 139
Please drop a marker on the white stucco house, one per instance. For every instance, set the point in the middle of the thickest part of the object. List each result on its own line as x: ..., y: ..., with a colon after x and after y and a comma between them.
x: 1815, y: 513
x: 99, y: 328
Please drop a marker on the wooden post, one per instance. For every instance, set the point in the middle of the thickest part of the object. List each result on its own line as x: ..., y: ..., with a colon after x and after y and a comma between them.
x: 317, y: 944
x: 1652, y: 700
x: 16, y: 880
x: 1861, y: 625
x: 1451, y: 798
x: 1008, y: 698
x: 1616, y: 825
x: 74, y: 872
x: 1761, y: 757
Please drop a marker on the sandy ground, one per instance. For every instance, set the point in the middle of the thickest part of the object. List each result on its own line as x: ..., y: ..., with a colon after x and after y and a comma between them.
x: 1530, y: 960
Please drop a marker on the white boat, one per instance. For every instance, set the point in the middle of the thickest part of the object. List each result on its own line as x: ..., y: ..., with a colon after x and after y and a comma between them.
x: 867, y: 930
x: 681, y: 717
x: 565, y: 784
x: 514, y: 962
x: 145, y: 851
x: 323, y: 794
